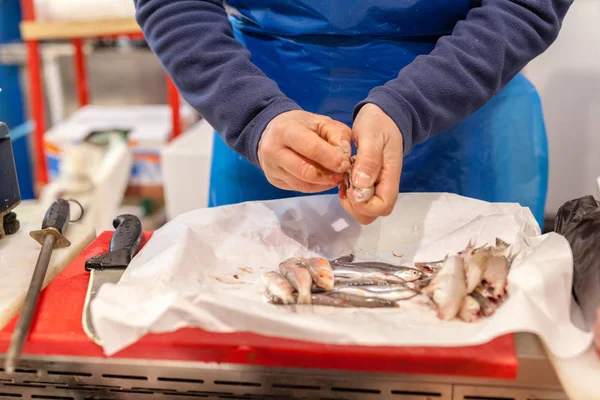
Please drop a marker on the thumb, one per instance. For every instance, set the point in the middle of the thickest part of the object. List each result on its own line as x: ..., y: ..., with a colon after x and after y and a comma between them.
x: 369, y: 159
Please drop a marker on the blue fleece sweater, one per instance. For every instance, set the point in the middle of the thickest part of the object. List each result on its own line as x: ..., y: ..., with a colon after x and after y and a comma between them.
x: 194, y: 41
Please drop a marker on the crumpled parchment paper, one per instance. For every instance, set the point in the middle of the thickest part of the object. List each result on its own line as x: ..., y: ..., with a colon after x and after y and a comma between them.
x: 203, y: 270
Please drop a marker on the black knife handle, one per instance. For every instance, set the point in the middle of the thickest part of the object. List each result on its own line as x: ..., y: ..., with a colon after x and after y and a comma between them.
x: 57, y: 216
x: 124, y: 245
x: 128, y: 234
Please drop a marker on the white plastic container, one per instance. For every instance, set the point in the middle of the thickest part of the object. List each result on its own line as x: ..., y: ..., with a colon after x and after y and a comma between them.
x: 149, y: 130
x: 186, y: 163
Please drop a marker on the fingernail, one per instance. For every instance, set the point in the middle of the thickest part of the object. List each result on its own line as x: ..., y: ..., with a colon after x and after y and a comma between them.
x: 345, y: 147
x: 362, y: 179
x: 344, y: 166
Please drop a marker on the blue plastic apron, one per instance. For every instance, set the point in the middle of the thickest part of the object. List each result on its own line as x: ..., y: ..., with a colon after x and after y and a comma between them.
x: 328, y: 54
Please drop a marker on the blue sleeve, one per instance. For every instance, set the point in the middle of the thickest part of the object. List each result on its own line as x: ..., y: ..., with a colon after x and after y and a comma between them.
x: 214, y: 72
x: 467, y: 68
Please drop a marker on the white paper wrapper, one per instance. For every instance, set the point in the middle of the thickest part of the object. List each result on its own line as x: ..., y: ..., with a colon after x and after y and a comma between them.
x: 203, y: 270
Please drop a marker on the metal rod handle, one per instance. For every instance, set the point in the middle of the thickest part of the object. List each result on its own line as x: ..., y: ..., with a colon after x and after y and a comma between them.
x: 29, y: 306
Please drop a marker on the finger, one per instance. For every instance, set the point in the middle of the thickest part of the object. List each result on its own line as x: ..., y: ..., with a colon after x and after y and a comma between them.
x: 361, y: 218
x: 310, y: 145
x: 302, y: 186
x: 336, y: 133
x: 387, y: 187
x: 305, y: 170
x: 369, y: 159
x: 279, y: 184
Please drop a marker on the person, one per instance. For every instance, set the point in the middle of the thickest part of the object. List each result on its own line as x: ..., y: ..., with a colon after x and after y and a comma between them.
x: 426, y: 90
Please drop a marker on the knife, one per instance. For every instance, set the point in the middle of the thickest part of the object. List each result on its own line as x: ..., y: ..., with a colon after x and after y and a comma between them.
x: 109, y: 267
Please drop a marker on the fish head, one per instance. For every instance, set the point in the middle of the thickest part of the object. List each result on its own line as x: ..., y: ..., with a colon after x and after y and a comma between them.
x: 409, y: 274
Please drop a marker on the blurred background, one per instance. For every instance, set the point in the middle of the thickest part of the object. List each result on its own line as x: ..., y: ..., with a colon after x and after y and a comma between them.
x: 122, y: 71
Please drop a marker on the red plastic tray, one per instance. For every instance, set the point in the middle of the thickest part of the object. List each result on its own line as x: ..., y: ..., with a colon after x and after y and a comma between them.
x: 57, y: 331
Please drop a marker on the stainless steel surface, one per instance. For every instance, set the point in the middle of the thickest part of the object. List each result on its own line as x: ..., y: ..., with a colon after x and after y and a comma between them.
x: 97, y: 378
x: 97, y: 279
x: 28, y: 310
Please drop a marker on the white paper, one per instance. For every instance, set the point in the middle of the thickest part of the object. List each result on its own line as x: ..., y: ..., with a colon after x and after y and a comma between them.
x: 203, y: 270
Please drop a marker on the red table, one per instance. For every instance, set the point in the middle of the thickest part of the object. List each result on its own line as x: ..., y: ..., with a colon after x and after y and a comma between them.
x: 57, y: 331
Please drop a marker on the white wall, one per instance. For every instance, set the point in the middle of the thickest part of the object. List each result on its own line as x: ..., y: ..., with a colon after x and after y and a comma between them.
x: 568, y: 79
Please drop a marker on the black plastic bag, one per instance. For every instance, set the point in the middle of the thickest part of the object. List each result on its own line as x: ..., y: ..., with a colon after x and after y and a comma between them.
x: 579, y: 222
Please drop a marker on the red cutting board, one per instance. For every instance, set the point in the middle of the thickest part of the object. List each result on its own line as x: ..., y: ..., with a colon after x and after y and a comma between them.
x: 57, y: 331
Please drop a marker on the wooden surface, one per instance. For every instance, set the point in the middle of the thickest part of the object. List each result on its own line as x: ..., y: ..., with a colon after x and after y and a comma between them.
x: 19, y: 253
x: 48, y: 30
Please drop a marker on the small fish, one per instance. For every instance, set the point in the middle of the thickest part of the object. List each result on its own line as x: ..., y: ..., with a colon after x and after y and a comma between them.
x: 496, y: 275
x: 279, y: 287
x: 321, y: 272
x: 366, y: 282
x: 487, y: 307
x: 448, y: 288
x: 357, y: 195
x: 470, y: 310
x: 318, y: 300
x: 362, y: 302
x: 374, y: 264
x: 390, y: 292
x: 475, y: 265
x: 296, y: 272
x: 348, y: 258
x: 357, y: 274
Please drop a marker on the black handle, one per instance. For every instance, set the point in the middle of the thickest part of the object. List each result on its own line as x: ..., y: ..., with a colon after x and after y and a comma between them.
x: 124, y: 245
x: 57, y: 216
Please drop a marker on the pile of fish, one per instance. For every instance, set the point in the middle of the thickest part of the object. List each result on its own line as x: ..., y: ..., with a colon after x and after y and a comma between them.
x: 468, y: 285
x: 472, y: 283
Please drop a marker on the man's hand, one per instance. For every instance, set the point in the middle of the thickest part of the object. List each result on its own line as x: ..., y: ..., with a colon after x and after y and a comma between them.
x: 297, y: 151
x: 378, y: 162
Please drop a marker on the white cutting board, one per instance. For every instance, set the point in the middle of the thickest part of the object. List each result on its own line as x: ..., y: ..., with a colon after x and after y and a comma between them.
x: 580, y: 375
x: 18, y: 255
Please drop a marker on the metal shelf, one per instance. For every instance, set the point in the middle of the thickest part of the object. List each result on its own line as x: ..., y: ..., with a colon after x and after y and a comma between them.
x: 63, y: 30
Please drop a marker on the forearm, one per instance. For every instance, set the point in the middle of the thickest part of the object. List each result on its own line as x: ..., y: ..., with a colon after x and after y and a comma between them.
x: 214, y: 73
x: 467, y: 68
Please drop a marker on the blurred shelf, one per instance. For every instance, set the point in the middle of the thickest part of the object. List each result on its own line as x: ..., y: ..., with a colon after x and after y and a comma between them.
x: 55, y: 30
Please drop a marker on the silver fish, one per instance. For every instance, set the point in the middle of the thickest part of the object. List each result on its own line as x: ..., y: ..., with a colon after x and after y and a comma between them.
x: 321, y: 272
x: 279, y: 286
x: 398, y: 274
x: 348, y: 258
x: 362, y: 302
x: 296, y: 272
x: 366, y: 282
x: 389, y: 292
x: 448, y: 288
x: 318, y: 300
x: 374, y: 264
